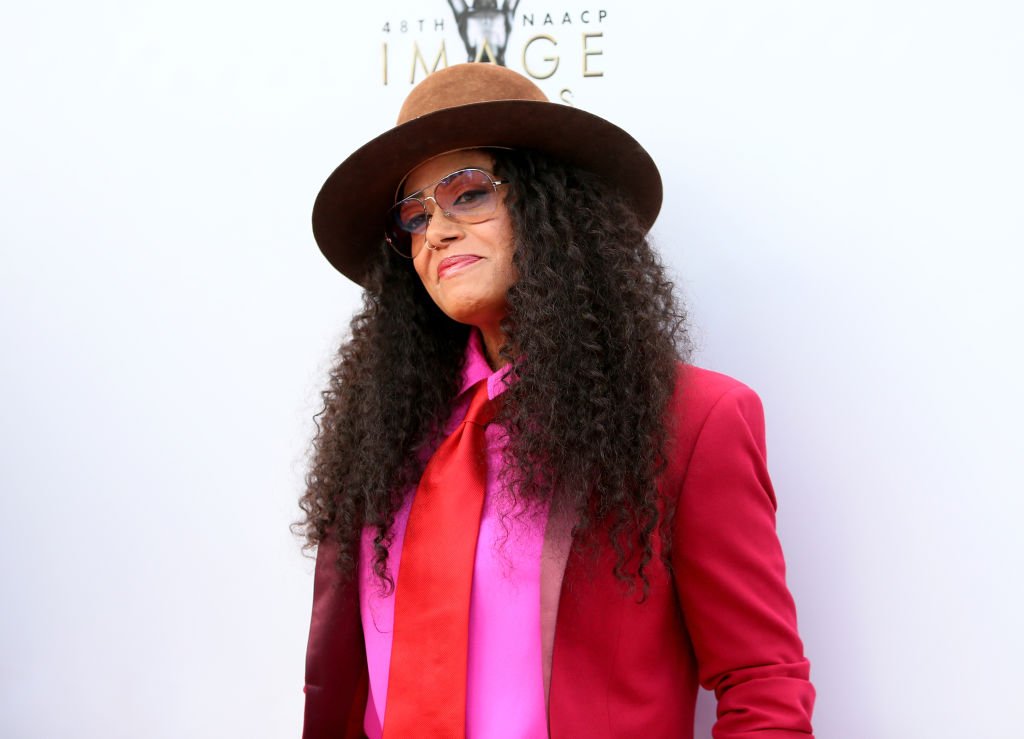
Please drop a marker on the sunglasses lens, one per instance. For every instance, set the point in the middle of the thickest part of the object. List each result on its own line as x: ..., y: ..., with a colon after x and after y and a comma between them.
x: 468, y: 194
x: 404, y: 219
x: 411, y: 216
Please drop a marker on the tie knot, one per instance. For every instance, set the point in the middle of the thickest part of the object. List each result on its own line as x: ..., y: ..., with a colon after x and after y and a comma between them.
x: 481, y: 407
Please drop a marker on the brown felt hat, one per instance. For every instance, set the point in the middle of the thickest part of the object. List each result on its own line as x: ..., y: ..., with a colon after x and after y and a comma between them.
x: 467, y: 106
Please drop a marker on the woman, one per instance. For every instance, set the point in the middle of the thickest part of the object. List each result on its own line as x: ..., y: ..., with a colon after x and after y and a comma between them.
x: 533, y: 517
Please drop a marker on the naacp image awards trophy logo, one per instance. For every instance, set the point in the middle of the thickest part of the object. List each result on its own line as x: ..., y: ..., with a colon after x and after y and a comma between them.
x: 541, y: 40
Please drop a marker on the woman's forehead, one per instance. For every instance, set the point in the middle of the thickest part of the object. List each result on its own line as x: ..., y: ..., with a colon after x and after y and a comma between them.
x: 433, y: 169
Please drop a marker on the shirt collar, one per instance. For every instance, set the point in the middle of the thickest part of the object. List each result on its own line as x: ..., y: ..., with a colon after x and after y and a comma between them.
x: 476, y: 368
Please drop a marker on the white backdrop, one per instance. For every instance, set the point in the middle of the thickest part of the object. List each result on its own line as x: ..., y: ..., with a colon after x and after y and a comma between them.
x: 843, y: 212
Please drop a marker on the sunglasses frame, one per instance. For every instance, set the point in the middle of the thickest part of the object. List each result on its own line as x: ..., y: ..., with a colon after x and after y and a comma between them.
x: 495, y: 183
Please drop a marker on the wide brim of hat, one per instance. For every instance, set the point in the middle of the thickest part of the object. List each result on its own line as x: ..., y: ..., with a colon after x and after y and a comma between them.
x: 349, y: 212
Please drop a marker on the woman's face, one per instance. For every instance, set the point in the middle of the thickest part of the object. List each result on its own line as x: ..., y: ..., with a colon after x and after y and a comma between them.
x: 469, y: 270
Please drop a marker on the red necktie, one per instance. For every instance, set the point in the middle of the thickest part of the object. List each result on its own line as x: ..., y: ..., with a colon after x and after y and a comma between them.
x: 427, y: 682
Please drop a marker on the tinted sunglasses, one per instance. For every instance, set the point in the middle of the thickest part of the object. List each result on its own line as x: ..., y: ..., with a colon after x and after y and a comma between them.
x: 465, y: 196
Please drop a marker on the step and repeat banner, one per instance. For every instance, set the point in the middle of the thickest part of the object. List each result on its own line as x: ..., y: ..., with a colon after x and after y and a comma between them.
x: 842, y: 218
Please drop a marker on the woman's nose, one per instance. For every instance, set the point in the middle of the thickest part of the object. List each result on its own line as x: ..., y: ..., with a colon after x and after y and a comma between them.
x: 441, y: 230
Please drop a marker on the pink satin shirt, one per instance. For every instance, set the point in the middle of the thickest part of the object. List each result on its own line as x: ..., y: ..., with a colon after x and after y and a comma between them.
x: 505, y: 691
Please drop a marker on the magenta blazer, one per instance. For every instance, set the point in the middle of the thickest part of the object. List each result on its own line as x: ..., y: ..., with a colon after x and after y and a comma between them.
x: 720, y: 617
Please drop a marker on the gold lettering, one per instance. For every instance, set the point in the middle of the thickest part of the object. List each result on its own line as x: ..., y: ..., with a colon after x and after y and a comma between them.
x: 486, y: 49
x: 556, y: 59
x: 566, y: 97
x: 384, y: 58
x: 589, y: 53
x: 417, y: 56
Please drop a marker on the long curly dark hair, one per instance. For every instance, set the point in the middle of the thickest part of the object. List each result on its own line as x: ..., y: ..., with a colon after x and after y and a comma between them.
x: 601, y: 330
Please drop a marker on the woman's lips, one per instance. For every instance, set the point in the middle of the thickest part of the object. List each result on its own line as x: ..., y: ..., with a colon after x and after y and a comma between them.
x: 457, y: 263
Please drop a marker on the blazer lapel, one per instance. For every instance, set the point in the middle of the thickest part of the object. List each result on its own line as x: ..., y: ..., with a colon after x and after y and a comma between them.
x: 554, y: 555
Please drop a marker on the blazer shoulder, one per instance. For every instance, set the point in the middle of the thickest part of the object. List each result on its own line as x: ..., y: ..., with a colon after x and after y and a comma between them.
x: 697, y: 392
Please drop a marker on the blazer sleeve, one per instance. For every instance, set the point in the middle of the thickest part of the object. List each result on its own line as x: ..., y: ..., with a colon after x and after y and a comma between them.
x: 336, y: 675
x: 730, y: 576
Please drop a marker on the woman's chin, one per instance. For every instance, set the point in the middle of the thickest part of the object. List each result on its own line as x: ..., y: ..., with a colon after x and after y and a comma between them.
x: 482, y: 314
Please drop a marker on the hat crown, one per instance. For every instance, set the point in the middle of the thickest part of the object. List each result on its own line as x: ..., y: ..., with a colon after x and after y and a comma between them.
x: 464, y: 84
